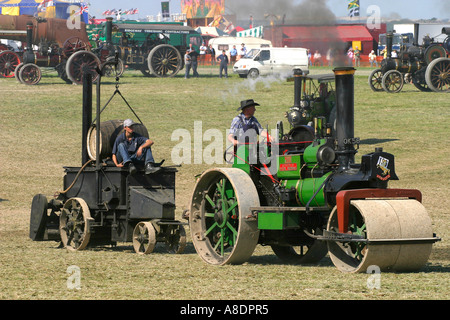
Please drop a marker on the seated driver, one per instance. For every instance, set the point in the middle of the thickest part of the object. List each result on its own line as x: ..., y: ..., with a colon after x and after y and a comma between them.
x: 131, y: 148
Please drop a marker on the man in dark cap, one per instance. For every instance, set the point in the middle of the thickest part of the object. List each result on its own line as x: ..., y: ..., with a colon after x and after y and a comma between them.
x: 131, y: 147
x: 244, y: 121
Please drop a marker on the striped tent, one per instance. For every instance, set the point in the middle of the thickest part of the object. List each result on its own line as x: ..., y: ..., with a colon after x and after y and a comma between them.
x: 49, y: 9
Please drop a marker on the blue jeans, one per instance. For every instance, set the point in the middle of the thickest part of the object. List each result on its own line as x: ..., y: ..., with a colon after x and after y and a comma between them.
x: 223, y: 67
x: 188, y: 70
x: 125, y: 157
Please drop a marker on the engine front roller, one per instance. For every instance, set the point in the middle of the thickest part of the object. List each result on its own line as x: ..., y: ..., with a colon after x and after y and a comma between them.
x: 221, y: 228
x: 394, y: 235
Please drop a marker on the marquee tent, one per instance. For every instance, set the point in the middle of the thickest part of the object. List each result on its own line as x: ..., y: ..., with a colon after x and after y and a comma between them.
x: 56, y: 9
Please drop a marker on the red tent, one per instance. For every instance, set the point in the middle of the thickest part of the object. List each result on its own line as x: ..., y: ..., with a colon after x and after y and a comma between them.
x: 322, y: 37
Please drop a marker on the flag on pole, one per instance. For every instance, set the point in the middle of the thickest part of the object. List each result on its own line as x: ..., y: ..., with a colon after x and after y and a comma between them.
x: 83, y: 8
x: 165, y: 9
x: 353, y: 8
x: 44, y: 4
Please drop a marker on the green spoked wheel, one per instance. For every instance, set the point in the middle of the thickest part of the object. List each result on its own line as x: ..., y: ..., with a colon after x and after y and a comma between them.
x: 223, y: 231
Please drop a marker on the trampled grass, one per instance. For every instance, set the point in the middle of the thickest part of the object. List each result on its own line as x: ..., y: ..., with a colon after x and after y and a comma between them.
x: 41, y: 132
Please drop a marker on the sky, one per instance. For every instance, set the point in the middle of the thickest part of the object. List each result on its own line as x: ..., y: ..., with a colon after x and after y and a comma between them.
x: 410, y: 9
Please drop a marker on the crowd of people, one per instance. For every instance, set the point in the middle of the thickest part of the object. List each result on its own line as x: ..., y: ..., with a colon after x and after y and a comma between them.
x: 351, y: 57
x: 191, y: 59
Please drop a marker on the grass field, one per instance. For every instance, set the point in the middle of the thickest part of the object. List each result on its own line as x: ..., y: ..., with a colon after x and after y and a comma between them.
x: 41, y: 132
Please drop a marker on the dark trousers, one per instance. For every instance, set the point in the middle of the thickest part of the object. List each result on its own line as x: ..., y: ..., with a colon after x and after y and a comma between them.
x: 188, y: 70
x: 194, y: 69
x: 223, y: 67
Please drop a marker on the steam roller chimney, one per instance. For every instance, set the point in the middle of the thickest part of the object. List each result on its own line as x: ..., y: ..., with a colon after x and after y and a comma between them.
x: 298, y: 73
x: 345, y: 122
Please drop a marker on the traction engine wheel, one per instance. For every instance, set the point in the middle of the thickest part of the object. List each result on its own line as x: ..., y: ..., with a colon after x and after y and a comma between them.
x: 221, y: 227
x: 375, y: 80
x: 418, y: 80
x: 8, y: 63
x: 437, y: 75
x: 175, y: 238
x: 72, y: 45
x: 392, y: 81
x: 74, y: 224
x: 82, y: 62
x: 113, y: 71
x: 164, y: 61
x: 30, y: 74
x: 144, y: 237
x: 382, y: 220
x: 17, y: 70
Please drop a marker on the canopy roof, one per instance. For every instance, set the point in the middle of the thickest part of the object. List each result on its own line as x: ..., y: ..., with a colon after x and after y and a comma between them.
x: 58, y: 9
x: 210, y: 31
x: 327, y: 33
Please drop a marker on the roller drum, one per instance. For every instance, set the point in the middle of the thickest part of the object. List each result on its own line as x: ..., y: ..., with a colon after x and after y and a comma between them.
x: 383, y: 220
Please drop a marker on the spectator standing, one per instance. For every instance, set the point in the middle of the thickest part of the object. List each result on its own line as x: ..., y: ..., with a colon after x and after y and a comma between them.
x: 223, y: 59
x: 373, y: 59
x: 187, y: 64
x: 357, y: 54
x: 203, y: 48
x: 317, y: 58
x: 194, y: 62
x: 242, y: 51
x: 233, y: 54
x: 213, y: 54
x: 350, y: 56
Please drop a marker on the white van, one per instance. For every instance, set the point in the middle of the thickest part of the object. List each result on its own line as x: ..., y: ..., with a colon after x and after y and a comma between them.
x: 268, y: 61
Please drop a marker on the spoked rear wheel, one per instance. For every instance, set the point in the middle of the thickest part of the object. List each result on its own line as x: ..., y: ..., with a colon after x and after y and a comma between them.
x: 30, y: 74
x: 74, y: 224
x: 437, y: 75
x: 8, y: 63
x: 164, y: 61
x: 222, y: 230
x: 82, y: 62
x: 392, y: 81
x: 175, y: 239
x: 375, y: 80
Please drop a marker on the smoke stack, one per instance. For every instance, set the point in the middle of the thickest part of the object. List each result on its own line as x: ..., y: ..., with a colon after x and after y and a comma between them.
x: 345, y: 116
x: 29, y: 37
x: 87, y: 116
x: 298, y: 73
x: 389, y: 39
x: 416, y: 34
x: 109, y: 30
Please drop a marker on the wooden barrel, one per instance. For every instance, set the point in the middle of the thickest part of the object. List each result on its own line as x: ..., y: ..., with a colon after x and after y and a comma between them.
x: 109, y: 131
